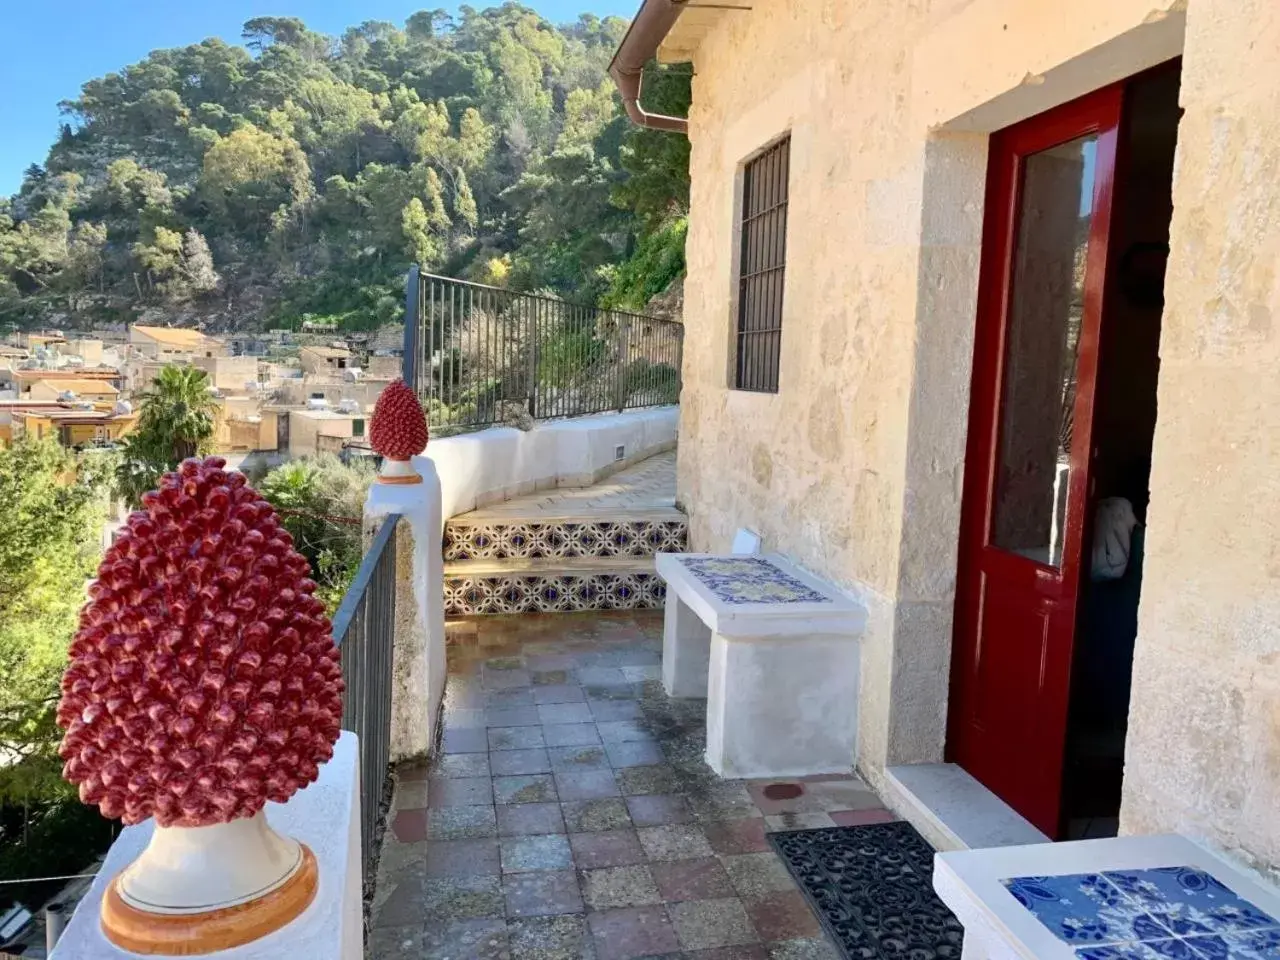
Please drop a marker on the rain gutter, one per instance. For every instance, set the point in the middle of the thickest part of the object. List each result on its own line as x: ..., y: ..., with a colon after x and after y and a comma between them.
x: 640, y: 45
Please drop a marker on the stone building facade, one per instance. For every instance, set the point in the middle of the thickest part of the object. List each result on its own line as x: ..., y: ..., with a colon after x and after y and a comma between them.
x: 855, y: 466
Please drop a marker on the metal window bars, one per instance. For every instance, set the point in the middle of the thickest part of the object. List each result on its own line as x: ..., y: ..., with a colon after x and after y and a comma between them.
x: 762, y: 268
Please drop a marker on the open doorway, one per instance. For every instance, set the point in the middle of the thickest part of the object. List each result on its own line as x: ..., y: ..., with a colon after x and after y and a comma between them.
x: 1124, y: 422
x: 1062, y: 414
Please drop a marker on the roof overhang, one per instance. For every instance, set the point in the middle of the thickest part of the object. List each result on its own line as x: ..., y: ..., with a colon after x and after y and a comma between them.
x: 696, y: 21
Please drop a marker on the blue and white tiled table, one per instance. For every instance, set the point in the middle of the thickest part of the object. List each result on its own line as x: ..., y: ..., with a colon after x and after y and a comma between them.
x: 774, y: 650
x: 1128, y: 898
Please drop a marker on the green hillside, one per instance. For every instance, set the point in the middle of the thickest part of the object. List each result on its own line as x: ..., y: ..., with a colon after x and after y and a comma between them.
x: 299, y: 175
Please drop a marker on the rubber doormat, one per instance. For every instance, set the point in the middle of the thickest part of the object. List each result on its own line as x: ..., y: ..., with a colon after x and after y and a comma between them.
x: 872, y: 889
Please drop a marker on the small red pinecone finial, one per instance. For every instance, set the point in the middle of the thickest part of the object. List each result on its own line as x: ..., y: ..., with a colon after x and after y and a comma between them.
x: 203, y: 680
x: 399, y: 428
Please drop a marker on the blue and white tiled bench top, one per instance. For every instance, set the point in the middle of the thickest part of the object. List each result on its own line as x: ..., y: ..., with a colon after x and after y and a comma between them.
x: 758, y: 595
x: 1128, y: 898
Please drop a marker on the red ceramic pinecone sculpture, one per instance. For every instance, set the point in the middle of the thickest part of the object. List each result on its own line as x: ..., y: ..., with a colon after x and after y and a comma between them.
x: 204, y: 680
x: 399, y: 428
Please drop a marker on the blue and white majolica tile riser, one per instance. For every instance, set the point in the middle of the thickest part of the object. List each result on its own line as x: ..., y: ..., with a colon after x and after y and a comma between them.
x: 526, y: 539
x: 504, y: 593
x: 1127, y: 898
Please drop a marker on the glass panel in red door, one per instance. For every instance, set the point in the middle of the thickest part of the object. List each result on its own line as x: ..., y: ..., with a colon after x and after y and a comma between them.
x: 1045, y: 308
x: 1026, y: 468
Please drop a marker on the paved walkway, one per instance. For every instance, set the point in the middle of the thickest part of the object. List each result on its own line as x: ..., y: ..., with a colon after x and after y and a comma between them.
x: 648, y: 485
x: 570, y: 815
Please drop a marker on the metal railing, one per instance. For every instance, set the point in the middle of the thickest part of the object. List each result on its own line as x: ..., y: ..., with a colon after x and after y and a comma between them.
x: 480, y: 355
x: 364, y: 629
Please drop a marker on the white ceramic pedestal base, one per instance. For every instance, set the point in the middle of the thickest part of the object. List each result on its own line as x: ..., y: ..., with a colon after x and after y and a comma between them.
x: 325, y: 817
x: 398, y: 471
x: 198, y: 869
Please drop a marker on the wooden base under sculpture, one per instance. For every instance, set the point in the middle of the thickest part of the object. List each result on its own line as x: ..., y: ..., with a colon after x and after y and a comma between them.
x: 175, y: 929
x: 398, y: 471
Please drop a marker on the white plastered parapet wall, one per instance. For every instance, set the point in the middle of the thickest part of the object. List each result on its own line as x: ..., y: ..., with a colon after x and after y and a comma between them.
x: 855, y: 467
x: 493, y: 465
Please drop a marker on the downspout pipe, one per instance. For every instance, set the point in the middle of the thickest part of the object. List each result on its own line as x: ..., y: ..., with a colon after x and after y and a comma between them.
x: 640, y: 45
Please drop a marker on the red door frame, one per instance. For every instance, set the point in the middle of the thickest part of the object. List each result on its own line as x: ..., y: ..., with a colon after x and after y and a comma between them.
x: 1032, y: 784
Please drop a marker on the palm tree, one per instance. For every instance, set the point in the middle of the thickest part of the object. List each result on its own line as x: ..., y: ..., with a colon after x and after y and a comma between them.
x: 175, y: 421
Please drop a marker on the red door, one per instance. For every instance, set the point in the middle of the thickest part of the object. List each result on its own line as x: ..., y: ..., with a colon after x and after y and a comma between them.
x: 1025, y: 507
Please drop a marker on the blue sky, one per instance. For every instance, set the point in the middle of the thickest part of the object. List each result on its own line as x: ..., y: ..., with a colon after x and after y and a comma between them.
x: 53, y: 46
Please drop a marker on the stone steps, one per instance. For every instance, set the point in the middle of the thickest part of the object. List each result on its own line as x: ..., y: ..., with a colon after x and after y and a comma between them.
x: 619, y: 533
x: 550, y: 561
x: 550, y: 585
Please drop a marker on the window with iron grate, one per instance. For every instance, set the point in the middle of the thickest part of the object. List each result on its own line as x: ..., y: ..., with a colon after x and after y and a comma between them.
x: 761, y: 269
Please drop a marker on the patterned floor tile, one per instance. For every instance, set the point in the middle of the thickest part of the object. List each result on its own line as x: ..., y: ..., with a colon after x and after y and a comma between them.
x: 623, y: 731
x: 544, y: 852
x: 783, y: 916
x: 409, y: 826
x: 678, y: 841
x: 586, y: 785
x: 512, y: 717
x: 752, y: 951
x: 557, y: 713
x: 632, y: 932
x: 659, y: 809
x: 461, y: 823
x: 798, y: 821
x: 703, y: 924
x: 756, y: 874
x: 815, y: 948
x: 589, y: 816
x: 515, y: 738
x: 586, y: 757
x: 612, y: 710
x: 703, y: 879
x: 468, y: 940
x: 857, y: 818
x: 607, y: 848
x: 550, y: 938
x: 570, y: 734
x: 504, y: 679
x: 737, y: 836
x: 525, y: 819
x: 459, y: 792
x: 542, y: 893
x: 503, y: 699
x: 505, y: 763
x: 558, y: 693
x: 440, y: 900
x: 535, y: 788
x: 633, y: 781
x: 464, y: 740
x: 634, y: 753
x: 619, y: 886
x: 454, y: 765
x: 462, y: 858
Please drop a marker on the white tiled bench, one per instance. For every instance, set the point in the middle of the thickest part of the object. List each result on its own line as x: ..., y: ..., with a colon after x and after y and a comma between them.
x: 1125, y: 898
x: 775, y: 652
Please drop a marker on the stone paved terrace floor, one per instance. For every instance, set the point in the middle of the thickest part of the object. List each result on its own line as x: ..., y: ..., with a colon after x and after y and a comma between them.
x: 647, y: 485
x: 569, y: 813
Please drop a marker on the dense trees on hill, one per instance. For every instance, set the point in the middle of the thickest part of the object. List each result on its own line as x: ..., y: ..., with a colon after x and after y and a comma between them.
x: 301, y: 174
